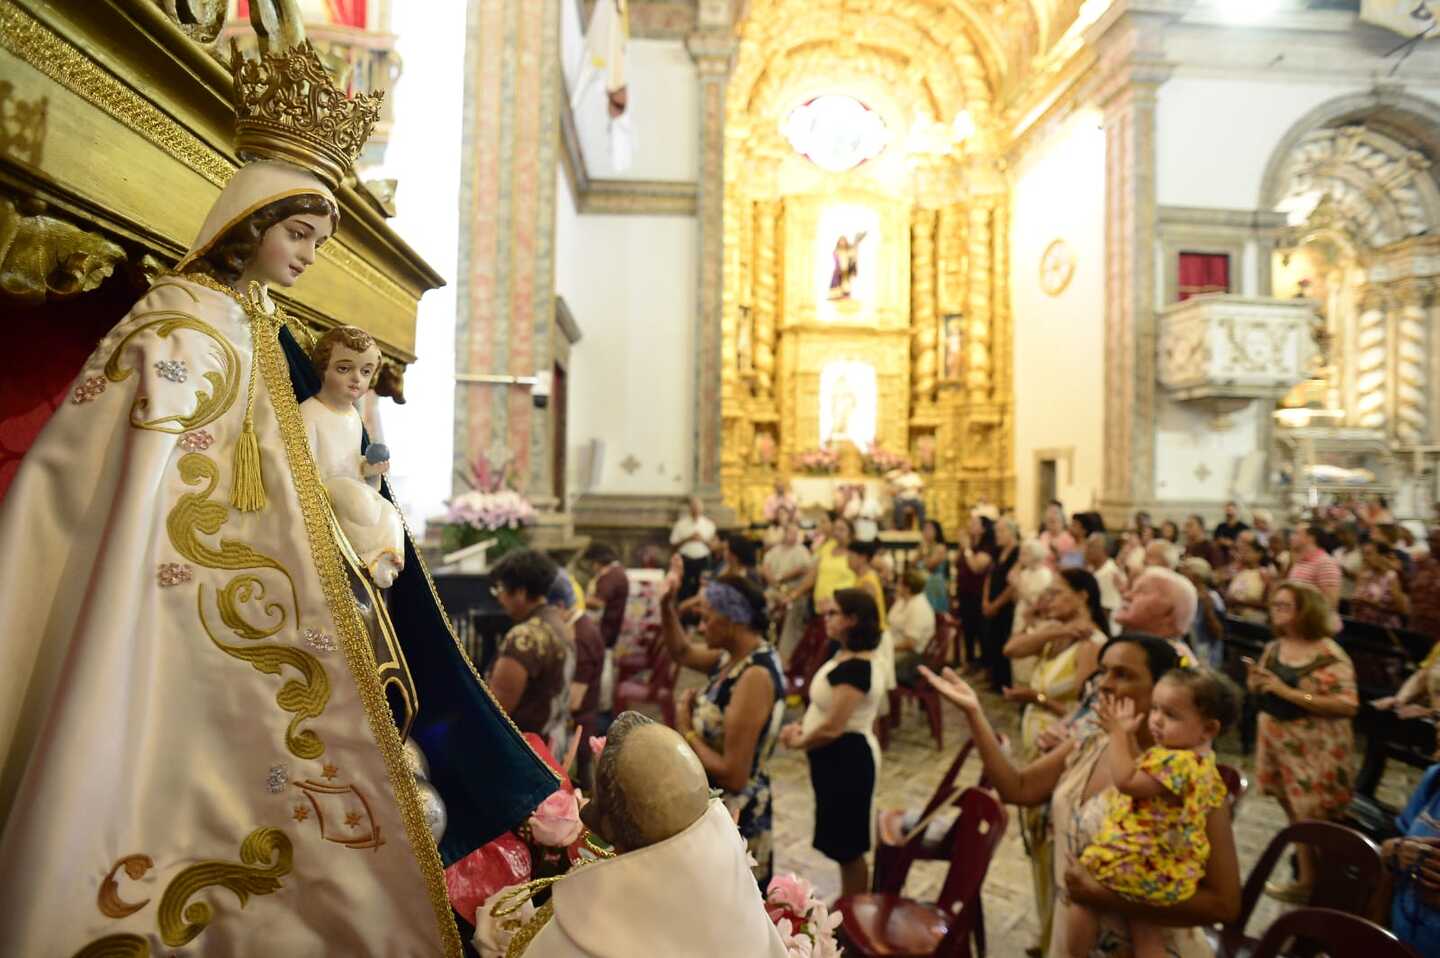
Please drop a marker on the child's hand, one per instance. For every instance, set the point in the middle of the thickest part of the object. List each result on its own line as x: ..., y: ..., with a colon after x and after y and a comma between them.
x: 1117, y: 715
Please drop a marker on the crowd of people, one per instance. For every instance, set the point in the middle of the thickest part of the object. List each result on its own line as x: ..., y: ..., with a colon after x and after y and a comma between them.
x: 1111, y: 645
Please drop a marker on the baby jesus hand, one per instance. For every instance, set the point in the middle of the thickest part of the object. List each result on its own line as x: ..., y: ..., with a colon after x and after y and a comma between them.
x: 368, y: 469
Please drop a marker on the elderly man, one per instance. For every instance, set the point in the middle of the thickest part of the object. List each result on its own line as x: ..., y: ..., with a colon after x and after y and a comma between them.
x: 1161, y: 602
x: 679, y: 884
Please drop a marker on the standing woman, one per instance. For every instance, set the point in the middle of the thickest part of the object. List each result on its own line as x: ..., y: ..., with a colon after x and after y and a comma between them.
x: 1378, y: 596
x: 733, y: 723
x: 935, y: 558
x: 837, y: 736
x: 1246, y: 592
x: 977, y: 551
x: 1307, y: 695
x: 998, y: 604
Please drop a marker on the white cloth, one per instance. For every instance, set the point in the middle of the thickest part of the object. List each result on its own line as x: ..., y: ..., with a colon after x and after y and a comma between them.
x: 367, y: 518
x: 690, y: 896
x: 912, y: 623
x: 1108, y: 577
x: 684, y: 528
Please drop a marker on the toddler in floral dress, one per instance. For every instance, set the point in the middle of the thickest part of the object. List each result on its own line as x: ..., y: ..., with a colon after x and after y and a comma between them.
x: 1152, y: 846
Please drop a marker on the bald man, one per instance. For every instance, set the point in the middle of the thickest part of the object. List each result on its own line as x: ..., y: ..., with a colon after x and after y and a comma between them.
x: 680, y: 884
x: 1161, y: 602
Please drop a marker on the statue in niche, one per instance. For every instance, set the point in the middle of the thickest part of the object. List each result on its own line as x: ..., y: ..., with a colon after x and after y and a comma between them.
x: 847, y: 265
x: 954, y: 345
x: 847, y: 403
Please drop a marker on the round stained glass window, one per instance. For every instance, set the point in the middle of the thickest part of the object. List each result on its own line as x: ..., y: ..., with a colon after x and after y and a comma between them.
x: 836, y: 132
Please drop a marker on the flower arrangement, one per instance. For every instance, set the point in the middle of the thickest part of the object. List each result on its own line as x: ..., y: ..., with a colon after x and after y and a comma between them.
x: 818, y: 462
x: 878, y: 460
x: 805, y: 924
x: 492, y: 509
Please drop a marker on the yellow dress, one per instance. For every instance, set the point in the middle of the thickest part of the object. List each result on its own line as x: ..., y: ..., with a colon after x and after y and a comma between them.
x: 1153, y: 849
x: 832, y: 571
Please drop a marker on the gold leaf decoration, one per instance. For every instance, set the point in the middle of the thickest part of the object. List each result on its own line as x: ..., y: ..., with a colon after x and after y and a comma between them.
x: 209, y: 406
x: 255, y: 875
x: 304, y: 699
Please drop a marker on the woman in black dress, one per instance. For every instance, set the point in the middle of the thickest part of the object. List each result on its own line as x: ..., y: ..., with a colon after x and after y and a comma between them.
x: 998, y: 605
x: 838, y: 738
x: 977, y: 551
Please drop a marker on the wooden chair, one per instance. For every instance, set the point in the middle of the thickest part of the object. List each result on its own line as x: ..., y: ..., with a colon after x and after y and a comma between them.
x: 1346, y: 879
x: 1334, y: 932
x: 936, y: 657
x: 880, y: 923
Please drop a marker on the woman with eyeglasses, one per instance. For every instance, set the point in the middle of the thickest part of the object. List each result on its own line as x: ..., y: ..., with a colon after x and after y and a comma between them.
x: 837, y: 735
x: 1304, y: 739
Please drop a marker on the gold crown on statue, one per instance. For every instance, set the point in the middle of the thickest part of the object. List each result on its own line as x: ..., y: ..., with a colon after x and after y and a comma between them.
x: 287, y: 108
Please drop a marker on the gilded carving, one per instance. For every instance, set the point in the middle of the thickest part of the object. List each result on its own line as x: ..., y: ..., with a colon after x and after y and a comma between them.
x: 22, y: 126
x: 766, y: 265
x: 977, y: 364
x: 44, y: 257
x: 924, y: 344
x: 200, y: 20
x: 256, y: 874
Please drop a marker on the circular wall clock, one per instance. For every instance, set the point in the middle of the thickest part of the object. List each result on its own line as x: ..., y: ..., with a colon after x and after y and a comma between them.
x: 1057, y: 266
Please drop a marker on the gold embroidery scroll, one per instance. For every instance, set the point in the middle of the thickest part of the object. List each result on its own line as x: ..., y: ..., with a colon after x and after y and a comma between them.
x: 209, y: 406
x: 123, y: 945
x: 108, y: 899
x: 255, y: 875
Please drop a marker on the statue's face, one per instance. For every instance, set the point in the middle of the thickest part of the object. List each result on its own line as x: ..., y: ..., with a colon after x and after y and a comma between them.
x: 288, y: 248
x: 349, y: 374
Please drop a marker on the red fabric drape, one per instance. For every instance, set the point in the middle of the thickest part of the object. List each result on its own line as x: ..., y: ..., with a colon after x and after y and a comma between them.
x: 1203, y: 273
x: 44, y: 348
x: 347, y: 13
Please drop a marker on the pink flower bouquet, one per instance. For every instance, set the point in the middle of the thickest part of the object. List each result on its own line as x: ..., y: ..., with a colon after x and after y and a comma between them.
x: 805, y: 924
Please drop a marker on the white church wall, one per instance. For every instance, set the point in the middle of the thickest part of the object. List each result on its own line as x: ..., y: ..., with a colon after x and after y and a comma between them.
x: 1199, y: 459
x: 1059, y: 366
x: 632, y: 373
x: 662, y: 105
x: 424, y: 156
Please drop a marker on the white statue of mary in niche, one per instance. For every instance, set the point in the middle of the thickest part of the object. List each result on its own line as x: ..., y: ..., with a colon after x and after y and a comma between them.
x: 847, y: 403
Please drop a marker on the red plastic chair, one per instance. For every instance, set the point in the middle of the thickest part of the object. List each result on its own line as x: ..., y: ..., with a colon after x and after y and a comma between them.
x: 640, y: 656
x: 805, y: 661
x: 656, y: 688
x: 1335, y: 932
x: 875, y: 923
x: 892, y: 862
x: 1236, y: 785
x: 935, y: 655
x: 1346, y: 878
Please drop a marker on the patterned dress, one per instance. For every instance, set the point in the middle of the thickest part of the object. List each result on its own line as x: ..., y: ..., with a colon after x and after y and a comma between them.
x: 1378, y: 589
x: 1305, y: 761
x: 1154, y: 849
x: 708, y: 720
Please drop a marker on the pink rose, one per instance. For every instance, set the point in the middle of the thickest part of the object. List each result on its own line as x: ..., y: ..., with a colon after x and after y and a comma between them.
x: 597, y: 744
x: 556, y: 823
x: 791, y: 891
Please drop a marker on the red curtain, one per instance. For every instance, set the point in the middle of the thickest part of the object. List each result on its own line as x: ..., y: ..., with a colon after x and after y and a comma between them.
x: 1203, y: 273
x: 44, y: 348
x: 346, y: 13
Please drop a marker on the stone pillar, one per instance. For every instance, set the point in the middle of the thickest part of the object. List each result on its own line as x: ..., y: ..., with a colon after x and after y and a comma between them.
x: 1369, y: 409
x: 977, y: 316
x: 1132, y: 69
x: 713, y: 47
x: 506, y: 281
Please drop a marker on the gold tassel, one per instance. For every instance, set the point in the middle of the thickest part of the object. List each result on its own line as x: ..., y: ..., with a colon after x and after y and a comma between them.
x: 248, y: 495
x: 248, y: 489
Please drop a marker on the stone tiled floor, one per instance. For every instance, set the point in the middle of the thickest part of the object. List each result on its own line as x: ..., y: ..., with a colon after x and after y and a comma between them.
x: 912, y: 767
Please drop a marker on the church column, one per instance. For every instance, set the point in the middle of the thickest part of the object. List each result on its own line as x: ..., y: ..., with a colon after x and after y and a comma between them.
x: 506, y: 282
x: 1411, y: 362
x: 712, y: 47
x: 977, y: 319
x: 924, y: 339
x: 767, y: 216
x: 1132, y: 68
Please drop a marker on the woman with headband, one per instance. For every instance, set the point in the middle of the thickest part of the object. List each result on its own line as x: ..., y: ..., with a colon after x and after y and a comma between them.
x: 734, y: 722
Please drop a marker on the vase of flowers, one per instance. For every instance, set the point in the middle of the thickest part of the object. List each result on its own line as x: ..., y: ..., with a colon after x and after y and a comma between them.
x: 877, y: 460
x: 491, y: 510
x: 818, y: 462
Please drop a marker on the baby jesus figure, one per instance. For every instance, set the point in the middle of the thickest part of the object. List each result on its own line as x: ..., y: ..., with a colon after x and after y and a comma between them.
x: 348, y: 359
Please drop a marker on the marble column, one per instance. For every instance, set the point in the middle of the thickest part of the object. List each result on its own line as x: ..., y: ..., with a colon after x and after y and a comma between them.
x: 1410, y: 384
x: 506, y: 280
x: 713, y: 49
x: 1132, y: 69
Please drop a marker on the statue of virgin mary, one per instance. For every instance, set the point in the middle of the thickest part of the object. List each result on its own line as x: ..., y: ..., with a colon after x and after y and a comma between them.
x: 198, y: 749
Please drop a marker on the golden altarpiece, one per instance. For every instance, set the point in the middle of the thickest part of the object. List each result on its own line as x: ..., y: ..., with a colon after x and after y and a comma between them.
x: 865, y: 304
x: 115, y: 132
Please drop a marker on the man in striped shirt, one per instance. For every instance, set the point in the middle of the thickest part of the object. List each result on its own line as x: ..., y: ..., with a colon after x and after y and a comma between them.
x: 1313, y: 564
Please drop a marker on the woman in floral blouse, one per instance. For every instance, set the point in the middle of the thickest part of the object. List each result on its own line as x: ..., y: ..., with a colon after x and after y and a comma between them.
x: 1306, y: 688
x: 734, y: 722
